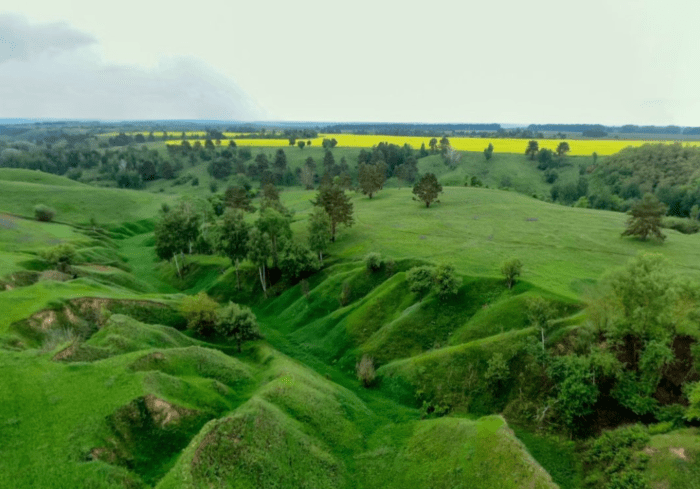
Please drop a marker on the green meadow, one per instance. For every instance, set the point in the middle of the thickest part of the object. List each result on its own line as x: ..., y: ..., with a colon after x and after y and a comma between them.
x: 105, y: 387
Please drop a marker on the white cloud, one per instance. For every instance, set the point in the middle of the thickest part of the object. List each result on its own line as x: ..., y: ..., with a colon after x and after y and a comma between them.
x: 53, y: 70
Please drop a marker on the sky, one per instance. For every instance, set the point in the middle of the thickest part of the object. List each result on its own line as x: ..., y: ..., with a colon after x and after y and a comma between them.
x: 611, y: 62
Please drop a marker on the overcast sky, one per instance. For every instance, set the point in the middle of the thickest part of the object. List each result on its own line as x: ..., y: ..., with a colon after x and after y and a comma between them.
x: 599, y: 61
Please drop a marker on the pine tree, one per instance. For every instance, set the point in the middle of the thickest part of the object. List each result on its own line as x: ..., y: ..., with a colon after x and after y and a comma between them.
x: 645, y: 218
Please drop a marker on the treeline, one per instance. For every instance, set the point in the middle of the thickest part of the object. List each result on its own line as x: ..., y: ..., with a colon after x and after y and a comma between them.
x: 597, y: 130
x: 670, y: 172
x: 405, y: 129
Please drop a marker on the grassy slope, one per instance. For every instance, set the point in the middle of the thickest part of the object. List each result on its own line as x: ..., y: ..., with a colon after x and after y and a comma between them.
x: 563, y: 249
x: 78, y: 203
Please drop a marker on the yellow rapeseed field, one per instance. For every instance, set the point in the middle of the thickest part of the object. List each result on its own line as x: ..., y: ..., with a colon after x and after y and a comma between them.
x: 579, y: 147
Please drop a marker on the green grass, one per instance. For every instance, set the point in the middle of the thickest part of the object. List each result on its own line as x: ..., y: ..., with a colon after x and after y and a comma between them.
x: 674, y: 459
x: 564, y: 250
x: 77, y: 204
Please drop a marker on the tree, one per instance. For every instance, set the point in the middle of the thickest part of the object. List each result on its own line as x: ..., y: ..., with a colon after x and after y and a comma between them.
x: 233, y: 236
x: 259, y: 253
x: 488, y: 152
x: 301, y: 144
x: 319, y: 232
x: 427, y: 189
x: 562, y: 149
x: 238, y: 323
x: 446, y: 281
x: 297, y: 260
x: 540, y: 313
x: 511, y: 269
x: 544, y: 158
x: 200, y: 312
x: 444, y: 144
x: 420, y: 280
x: 369, y: 179
x: 645, y: 218
x: 532, y: 149
x: 275, y: 225
x: 238, y: 198
x: 336, y: 204
x: 176, y: 232
x: 433, y: 145
x: 365, y: 370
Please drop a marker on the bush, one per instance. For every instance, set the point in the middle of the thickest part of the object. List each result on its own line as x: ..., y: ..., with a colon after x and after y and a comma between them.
x: 446, y: 281
x: 201, y: 313
x: 420, y: 280
x: 237, y: 323
x: 60, y: 257
x: 373, y: 261
x: 682, y: 225
x: 365, y: 370
x: 44, y: 213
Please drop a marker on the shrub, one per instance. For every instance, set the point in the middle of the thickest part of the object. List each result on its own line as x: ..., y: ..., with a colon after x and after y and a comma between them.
x: 201, y: 313
x: 446, y: 281
x: 373, y: 261
x: 420, y: 280
x: 60, y: 257
x: 44, y: 213
x: 238, y: 323
x: 365, y: 370
x: 682, y: 225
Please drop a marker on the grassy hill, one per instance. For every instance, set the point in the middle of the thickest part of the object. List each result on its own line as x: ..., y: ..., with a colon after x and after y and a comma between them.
x: 104, y: 388
x: 564, y: 249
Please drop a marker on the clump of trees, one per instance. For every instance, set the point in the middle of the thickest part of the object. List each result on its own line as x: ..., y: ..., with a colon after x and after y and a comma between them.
x: 442, y: 280
x: 206, y: 318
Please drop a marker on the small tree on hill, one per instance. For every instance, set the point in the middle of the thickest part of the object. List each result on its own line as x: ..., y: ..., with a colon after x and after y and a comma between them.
x: 336, y: 204
x: 488, y: 152
x: 540, y: 313
x: 200, y: 312
x: 420, y: 280
x: 319, y: 232
x: 511, y: 269
x: 446, y: 281
x: 238, y: 323
x: 645, y: 218
x: 562, y: 149
x: 259, y: 253
x: 365, y: 370
x: 532, y: 149
x: 427, y: 189
x: 370, y: 179
x: 233, y: 243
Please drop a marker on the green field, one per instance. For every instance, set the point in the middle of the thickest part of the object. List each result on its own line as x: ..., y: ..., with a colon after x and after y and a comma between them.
x: 105, y: 388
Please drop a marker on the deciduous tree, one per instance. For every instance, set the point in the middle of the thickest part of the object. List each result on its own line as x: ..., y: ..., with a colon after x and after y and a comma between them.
x: 532, y: 149
x: 238, y: 323
x: 427, y: 189
x: 336, y: 204
x: 234, y: 233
